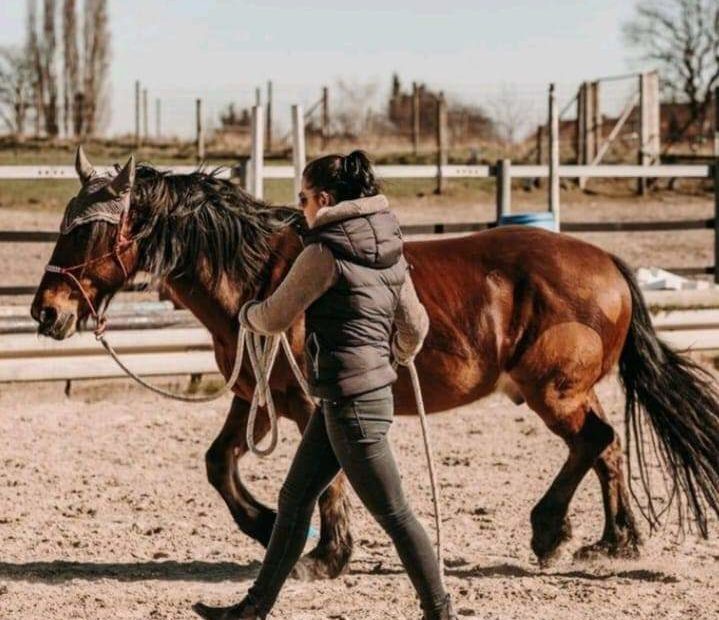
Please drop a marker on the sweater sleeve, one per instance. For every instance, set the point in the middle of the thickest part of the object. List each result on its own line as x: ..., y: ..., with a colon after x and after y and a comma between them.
x: 313, y: 272
x: 411, y: 321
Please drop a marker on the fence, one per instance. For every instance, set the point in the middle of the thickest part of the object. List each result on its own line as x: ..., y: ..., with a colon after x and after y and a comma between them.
x: 156, y: 352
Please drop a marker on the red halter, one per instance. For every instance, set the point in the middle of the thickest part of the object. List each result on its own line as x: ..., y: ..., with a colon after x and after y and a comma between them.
x: 120, y: 245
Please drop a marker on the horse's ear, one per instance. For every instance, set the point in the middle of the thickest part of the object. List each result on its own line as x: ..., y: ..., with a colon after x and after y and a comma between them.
x: 83, y: 167
x: 124, y: 180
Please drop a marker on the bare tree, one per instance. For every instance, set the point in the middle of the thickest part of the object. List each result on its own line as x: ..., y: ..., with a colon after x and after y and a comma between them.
x: 49, y: 68
x: 42, y: 55
x: 511, y: 114
x: 96, y: 64
x: 15, y: 89
x: 354, y: 101
x: 71, y: 68
x: 35, y: 59
x: 682, y: 38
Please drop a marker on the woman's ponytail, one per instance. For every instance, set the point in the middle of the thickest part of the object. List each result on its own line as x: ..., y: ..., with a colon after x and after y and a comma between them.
x: 345, y: 177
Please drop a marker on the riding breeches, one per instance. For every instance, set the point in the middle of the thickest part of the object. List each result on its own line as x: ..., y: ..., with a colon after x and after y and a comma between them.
x: 349, y: 434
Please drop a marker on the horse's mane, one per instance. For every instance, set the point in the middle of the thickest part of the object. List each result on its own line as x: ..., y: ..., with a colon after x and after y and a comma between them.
x: 186, y: 220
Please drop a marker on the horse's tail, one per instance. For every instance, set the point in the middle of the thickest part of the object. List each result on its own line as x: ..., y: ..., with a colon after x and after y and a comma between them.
x: 682, y: 405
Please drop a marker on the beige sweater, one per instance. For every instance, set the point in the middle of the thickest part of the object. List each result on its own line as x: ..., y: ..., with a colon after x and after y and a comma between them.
x: 315, y: 271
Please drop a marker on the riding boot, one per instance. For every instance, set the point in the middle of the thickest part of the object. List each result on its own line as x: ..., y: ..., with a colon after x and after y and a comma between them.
x: 446, y: 612
x: 245, y: 609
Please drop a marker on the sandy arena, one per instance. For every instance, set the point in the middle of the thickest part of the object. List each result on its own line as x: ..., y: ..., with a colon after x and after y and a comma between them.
x: 106, y: 511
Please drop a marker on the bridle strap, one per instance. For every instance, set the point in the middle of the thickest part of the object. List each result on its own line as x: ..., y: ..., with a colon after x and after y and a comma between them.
x: 121, y: 244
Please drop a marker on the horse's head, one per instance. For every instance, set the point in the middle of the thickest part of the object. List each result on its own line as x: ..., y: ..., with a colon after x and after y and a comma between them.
x: 93, y: 256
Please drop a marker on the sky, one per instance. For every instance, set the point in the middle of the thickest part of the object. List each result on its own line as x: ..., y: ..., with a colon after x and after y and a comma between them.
x: 222, y: 49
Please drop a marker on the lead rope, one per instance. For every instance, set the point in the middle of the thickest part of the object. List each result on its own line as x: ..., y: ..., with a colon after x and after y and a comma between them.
x: 414, y: 376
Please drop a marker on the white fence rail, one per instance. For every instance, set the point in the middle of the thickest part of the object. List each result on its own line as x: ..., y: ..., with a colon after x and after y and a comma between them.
x: 173, y: 351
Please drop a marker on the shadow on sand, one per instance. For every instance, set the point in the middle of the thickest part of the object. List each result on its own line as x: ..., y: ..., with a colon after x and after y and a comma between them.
x: 514, y: 570
x: 59, y: 571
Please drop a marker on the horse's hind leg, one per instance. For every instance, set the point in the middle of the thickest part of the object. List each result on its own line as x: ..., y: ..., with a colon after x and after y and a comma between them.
x: 331, y: 556
x: 586, y: 435
x: 620, y: 537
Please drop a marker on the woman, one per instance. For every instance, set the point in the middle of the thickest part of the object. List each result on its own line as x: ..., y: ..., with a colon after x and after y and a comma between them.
x: 352, y: 283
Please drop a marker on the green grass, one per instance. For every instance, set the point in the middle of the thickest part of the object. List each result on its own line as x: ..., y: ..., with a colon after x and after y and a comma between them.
x: 53, y: 195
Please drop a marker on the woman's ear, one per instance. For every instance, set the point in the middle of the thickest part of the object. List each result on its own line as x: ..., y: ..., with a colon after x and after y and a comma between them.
x: 324, y: 199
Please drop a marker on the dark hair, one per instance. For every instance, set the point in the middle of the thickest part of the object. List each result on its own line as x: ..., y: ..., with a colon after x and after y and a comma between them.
x: 344, y: 177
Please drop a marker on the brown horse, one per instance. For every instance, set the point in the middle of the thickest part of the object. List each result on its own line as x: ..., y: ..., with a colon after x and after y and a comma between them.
x: 539, y: 315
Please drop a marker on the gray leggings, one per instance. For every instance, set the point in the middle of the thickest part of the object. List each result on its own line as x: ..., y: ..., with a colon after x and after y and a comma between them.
x: 351, y: 435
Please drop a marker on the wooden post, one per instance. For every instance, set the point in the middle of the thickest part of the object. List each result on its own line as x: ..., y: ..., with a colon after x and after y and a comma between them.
x: 200, y: 131
x: 325, y: 116
x: 596, y: 120
x: 581, y: 124
x: 158, y: 118
x: 415, y: 118
x: 145, y: 134
x: 553, y: 156
x: 257, y: 153
x: 649, y: 146
x: 504, y: 188
x: 587, y: 136
x: 540, y: 151
x: 137, y: 113
x: 268, y: 123
x: 298, y: 146
x: 441, y: 142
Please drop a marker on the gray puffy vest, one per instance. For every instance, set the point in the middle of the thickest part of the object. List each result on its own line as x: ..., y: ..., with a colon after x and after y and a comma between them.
x: 348, y: 328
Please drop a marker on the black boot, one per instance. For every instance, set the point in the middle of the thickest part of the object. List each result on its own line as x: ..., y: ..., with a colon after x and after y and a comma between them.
x: 446, y: 612
x: 245, y: 609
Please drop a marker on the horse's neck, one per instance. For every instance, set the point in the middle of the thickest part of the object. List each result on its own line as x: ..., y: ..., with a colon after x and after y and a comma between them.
x: 217, y: 308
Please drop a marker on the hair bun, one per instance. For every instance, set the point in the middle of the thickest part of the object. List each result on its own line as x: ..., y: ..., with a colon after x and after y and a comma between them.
x: 356, y: 164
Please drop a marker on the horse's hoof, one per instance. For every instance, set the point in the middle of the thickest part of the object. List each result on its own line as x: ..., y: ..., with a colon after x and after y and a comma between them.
x: 322, y: 563
x: 607, y: 549
x: 547, y: 541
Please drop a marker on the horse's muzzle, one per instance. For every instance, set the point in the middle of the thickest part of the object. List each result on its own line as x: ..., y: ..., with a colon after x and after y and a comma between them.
x: 57, y: 325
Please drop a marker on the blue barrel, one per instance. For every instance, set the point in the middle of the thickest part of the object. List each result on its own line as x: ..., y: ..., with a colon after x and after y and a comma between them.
x: 543, y: 219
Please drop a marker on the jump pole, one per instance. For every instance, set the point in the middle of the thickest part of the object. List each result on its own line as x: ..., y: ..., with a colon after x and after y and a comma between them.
x: 298, y: 147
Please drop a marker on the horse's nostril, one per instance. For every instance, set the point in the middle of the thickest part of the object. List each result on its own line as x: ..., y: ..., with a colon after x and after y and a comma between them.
x: 48, y: 315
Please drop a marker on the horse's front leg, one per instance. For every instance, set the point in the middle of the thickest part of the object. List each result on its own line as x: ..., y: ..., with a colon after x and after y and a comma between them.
x: 254, y: 518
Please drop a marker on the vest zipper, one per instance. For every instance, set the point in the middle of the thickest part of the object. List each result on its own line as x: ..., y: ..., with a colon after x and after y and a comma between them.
x: 316, y: 356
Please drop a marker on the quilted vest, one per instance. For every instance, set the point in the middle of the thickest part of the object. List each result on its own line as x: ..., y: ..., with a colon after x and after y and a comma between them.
x: 348, y: 328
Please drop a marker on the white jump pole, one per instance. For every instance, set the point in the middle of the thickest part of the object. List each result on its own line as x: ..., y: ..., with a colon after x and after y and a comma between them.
x: 298, y: 147
x: 257, y: 157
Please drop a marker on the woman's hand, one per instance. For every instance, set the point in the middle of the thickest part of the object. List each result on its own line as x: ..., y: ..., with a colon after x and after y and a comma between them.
x: 244, y: 320
x: 400, y: 355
